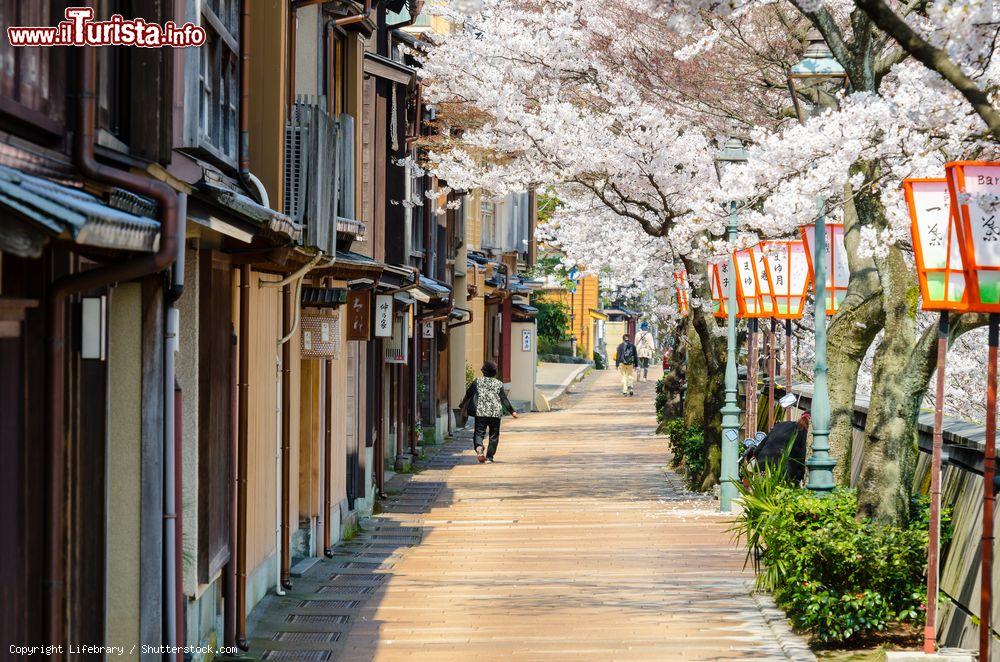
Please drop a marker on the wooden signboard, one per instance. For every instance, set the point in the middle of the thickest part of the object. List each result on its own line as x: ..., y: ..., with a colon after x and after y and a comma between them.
x: 359, y: 315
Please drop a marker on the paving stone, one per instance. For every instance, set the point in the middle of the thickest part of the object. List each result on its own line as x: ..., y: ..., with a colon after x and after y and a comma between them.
x: 577, y: 544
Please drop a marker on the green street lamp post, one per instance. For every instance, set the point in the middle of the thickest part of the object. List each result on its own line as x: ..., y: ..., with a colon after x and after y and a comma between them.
x: 733, y: 152
x: 817, y: 78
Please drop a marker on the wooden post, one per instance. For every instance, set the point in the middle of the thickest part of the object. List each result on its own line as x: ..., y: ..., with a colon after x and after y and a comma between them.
x: 770, y: 375
x: 989, y: 470
x: 934, y: 527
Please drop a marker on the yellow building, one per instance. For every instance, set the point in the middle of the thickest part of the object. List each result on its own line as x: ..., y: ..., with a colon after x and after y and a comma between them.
x: 579, y: 303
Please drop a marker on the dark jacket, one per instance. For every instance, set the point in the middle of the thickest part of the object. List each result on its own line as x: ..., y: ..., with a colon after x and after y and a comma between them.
x: 627, y: 354
x: 770, y: 450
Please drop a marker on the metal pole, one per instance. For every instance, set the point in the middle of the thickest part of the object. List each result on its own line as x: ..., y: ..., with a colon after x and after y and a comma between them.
x: 989, y: 469
x: 788, y: 365
x: 934, y: 527
x: 751, y: 394
x: 731, y: 410
x: 820, y: 464
x: 770, y: 375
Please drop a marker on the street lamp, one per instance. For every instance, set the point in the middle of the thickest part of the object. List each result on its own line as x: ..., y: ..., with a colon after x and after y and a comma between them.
x: 816, y: 80
x: 718, y: 282
x: 974, y: 192
x: 936, y: 250
x: 788, y: 274
x: 733, y: 152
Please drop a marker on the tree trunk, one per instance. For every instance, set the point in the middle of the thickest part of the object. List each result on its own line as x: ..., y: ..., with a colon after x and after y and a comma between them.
x: 851, y: 333
x: 713, y: 350
x: 890, y: 430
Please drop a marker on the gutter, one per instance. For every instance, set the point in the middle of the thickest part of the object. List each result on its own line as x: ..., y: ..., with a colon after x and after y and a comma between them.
x: 61, y: 290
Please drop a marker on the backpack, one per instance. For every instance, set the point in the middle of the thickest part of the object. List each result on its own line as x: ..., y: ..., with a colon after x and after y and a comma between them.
x: 627, y: 354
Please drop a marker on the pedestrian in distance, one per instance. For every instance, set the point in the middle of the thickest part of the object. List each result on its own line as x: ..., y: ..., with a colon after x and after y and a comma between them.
x: 627, y: 360
x: 486, y: 400
x: 646, y: 347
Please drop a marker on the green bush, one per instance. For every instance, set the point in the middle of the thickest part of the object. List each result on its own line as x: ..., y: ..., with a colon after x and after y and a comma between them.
x: 599, y: 361
x: 835, y: 576
x: 687, y: 445
x: 552, y: 320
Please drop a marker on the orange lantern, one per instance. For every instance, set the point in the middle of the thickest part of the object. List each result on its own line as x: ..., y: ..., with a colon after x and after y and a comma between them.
x: 788, y: 275
x: 974, y: 190
x: 936, y: 247
x: 718, y: 279
x: 753, y: 292
x: 683, y: 296
x: 837, y: 272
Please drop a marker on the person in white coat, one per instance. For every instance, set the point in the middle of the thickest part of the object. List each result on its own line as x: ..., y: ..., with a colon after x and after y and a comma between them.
x: 646, y: 347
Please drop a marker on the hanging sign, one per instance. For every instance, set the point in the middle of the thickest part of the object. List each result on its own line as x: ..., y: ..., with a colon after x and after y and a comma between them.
x: 936, y: 248
x: 383, y: 315
x: 428, y: 330
x: 359, y: 315
x: 320, y: 335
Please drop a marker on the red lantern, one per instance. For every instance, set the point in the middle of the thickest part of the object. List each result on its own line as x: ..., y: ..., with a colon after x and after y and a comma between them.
x: 837, y: 272
x: 788, y: 276
x: 936, y: 246
x: 683, y: 296
x: 974, y: 189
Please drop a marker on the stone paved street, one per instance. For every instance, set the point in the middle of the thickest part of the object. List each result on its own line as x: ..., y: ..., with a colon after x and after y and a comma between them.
x: 575, y: 545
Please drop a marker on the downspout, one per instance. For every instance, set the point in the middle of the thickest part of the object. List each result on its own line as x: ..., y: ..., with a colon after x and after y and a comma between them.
x: 229, y: 604
x: 173, y: 583
x: 286, y: 437
x: 328, y: 454
x: 61, y: 289
x: 247, y: 179
x: 242, y: 457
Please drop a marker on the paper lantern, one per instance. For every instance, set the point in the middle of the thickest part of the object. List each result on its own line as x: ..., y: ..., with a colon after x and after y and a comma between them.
x: 936, y: 247
x: 683, y: 296
x: 837, y: 272
x: 718, y: 279
x: 788, y: 275
x: 974, y: 190
x: 753, y: 292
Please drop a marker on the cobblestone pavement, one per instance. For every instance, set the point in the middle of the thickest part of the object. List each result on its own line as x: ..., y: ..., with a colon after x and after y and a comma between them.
x: 576, y: 545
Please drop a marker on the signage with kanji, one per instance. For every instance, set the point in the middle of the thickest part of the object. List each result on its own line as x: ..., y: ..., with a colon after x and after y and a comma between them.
x: 974, y: 190
x: 383, y: 316
x: 936, y: 248
x: 837, y: 272
x: 428, y: 330
x: 788, y: 276
x: 359, y: 315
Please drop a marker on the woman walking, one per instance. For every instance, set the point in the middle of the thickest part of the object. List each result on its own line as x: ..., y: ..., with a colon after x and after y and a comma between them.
x: 486, y: 400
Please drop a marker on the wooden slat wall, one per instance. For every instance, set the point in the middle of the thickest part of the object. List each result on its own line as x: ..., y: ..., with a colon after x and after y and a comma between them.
x: 340, y: 418
x: 265, y: 325
x: 475, y: 337
x: 310, y: 437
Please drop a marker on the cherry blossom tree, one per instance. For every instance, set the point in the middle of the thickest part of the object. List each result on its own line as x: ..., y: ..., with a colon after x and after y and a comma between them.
x: 621, y: 107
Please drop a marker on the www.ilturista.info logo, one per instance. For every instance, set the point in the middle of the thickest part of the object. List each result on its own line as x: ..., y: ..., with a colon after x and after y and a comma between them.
x: 79, y: 29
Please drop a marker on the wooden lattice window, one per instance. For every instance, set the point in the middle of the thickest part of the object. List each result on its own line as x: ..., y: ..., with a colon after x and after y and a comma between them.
x: 218, y: 80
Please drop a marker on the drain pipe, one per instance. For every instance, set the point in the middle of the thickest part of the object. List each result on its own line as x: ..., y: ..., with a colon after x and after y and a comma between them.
x: 229, y: 598
x: 328, y: 453
x: 173, y: 583
x: 243, y: 433
x: 61, y: 290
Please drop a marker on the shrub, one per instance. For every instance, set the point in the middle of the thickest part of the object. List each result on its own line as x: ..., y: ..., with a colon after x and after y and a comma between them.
x: 687, y: 444
x: 552, y: 320
x: 834, y: 575
x: 599, y: 361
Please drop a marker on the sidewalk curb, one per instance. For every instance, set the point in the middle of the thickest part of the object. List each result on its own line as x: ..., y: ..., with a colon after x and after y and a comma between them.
x: 573, y: 377
x: 793, y: 645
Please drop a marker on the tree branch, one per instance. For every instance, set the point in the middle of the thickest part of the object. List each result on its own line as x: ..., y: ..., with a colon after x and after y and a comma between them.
x: 933, y: 58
